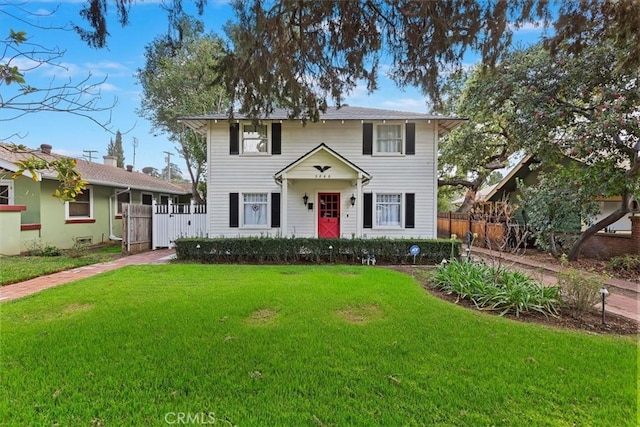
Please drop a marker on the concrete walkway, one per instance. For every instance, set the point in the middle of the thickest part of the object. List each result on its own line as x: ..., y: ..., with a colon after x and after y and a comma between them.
x: 624, y: 298
x: 21, y: 289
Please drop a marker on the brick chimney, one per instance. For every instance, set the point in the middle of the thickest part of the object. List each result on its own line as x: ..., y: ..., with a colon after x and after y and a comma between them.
x: 45, y: 148
x: 129, y: 168
x: 110, y: 161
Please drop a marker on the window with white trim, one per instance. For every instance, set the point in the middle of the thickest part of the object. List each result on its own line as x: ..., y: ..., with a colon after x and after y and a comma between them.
x: 388, y: 210
x: 6, y: 192
x: 254, y: 209
x: 255, y: 139
x: 82, y: 207
x: 389, y: 139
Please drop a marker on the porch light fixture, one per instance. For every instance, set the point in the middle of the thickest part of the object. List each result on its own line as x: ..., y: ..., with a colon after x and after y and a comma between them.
x: 305, y: 199
x: 353, y: 200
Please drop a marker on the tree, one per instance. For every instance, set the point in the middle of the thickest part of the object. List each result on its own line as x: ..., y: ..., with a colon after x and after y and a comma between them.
x: 21, y: 54
x: 581, y: 106
x: 177, y: 81
x: 474, y: 151
x: 555, y: 208
x: 172, y: 173
x: 304, y: 55
x: 115, y: 149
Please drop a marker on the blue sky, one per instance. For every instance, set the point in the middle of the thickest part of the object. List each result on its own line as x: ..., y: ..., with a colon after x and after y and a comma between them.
x: 114, y: 68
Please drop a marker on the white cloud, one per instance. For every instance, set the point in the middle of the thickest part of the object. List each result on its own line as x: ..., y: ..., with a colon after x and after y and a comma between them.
x: 405, y: 104
x: 104, y: 68
x: 537, y: 26
x: 108, y: 87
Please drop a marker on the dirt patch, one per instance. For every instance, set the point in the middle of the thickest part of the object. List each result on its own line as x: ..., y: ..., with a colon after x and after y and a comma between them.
x: 360, y: 313
x: 589, y: 321
x: 262, y: 316
x: 588, y: 264
x: 76, y: 308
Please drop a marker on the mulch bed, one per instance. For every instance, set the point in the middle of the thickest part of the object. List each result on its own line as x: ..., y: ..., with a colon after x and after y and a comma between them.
x: 587, y: 264
x: 589, y: 321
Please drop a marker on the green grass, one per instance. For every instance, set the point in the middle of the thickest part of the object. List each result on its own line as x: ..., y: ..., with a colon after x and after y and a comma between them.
x: 18, y: 268
x: 296, y: 345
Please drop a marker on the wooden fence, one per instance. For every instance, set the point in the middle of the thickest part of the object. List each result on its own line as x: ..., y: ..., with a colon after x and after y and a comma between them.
x: 136, y: 228
x: 492, y: 232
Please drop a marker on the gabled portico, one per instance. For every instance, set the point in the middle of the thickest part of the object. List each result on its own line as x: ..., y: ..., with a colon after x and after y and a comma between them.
x: 333, y: 188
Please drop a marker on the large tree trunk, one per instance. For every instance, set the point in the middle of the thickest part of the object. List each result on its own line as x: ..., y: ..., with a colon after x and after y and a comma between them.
x: 605, y: 222
x: 469, y: 201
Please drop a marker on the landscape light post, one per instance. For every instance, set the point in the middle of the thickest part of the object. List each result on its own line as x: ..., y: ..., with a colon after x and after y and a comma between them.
x: 604, y: 292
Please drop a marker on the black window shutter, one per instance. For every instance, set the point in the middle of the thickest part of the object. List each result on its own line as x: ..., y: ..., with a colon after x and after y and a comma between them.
x: 367, y: 138
x: 410, y: 134
x: 234, y: 138
x: 367, y: 220
x: 410, y: 210
x: 276, y: 138
x: 275, y: 210
x: 234, y: 199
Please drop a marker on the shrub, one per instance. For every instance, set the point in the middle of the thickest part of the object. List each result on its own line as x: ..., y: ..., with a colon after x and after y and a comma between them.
x: 37, y: 249
x: 497, y: 289
x: 306, y: 250
x: 79, y: 249
x: 580, y: 291
x: 628, y: 263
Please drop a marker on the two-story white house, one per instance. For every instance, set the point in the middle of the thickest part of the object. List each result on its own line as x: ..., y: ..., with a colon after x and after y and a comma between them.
x: 357, y: 172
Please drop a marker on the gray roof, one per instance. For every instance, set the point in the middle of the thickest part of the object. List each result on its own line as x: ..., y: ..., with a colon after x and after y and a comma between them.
x: 447, y: 123
x: 93, y: 173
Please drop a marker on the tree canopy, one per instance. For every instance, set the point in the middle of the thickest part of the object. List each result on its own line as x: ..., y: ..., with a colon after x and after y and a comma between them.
x: 179, y: 80
x: 303, y: 55
x: 582, y: 107
x: 471, y: 153
x: 116, y: 150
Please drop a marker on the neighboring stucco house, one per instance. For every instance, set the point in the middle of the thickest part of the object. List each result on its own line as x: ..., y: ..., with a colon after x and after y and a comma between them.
x: 357, y: 172
x: 30, y: 216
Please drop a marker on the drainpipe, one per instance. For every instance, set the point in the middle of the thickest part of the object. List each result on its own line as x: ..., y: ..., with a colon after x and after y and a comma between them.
x: 112, y: 236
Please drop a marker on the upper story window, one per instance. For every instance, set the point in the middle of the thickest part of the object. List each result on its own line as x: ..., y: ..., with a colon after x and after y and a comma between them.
x: 82, y: 207
x: 254, y: 209
x: 254, y: 139
x: 389, y: 138
x: 6, y: 192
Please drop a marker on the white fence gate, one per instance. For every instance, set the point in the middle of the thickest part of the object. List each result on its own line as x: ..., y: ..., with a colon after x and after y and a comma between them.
x: 173, y: 221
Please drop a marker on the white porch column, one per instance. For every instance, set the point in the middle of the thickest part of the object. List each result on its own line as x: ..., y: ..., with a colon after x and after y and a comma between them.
x: 283, y: 205
x: 359, y: 206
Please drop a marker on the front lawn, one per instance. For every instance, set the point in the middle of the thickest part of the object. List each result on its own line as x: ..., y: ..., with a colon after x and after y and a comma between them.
x: 295, y: 345
x: 20, y: 267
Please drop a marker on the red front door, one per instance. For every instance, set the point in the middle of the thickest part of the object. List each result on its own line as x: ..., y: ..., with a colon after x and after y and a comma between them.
x: 329, y: 215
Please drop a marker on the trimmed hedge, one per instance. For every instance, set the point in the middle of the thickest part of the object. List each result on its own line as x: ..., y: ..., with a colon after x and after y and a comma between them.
x: 267, y: 250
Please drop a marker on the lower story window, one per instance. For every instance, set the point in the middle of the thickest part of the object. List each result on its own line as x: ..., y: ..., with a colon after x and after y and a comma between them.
x: 388, y: 210
x: 6, y: 193
x: 255, y: 209
x: 81, y: 207
x: 123, y: 198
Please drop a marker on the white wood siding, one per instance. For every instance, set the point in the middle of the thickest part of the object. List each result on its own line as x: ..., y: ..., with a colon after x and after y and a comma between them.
x: 390, y: 174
